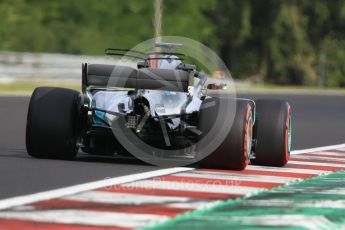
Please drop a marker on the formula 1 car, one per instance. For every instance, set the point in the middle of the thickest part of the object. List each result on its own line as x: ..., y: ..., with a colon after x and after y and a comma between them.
x: 160, y: 104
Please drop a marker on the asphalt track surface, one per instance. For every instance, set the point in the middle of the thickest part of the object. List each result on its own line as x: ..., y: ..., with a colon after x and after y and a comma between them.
x: 318, y: 120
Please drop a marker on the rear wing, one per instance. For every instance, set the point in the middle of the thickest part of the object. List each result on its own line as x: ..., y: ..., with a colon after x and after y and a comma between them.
x: 144, y: 56
x: 107, y: 76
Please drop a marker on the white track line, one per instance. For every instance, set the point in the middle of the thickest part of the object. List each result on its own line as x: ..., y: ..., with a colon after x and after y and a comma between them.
x: 192, y: 187
x: 282, y: 169
x: 318, y: 149
x: 137, y: 199
x: 329, y: 154
x: 315, y: 203
x: 47, y: 195
x: 84, y: 217
x: 310, y: 162
x: 312, y: 222
x: 313, y: 190
x: 315, y: 158
x: 124, y: 198
x: 236, y: 177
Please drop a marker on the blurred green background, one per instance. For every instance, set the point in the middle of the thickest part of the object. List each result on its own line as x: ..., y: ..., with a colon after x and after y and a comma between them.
x: 285, y: 42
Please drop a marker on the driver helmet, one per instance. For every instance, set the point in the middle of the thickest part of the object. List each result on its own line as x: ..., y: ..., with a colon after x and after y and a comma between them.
x: 168, y: 62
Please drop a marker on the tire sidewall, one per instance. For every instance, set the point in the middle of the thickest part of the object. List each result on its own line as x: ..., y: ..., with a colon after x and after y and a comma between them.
x: 272, y: 117
x: 52, y: 123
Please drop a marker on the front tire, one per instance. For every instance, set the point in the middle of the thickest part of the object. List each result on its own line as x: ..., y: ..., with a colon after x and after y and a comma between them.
x: 272, y: 132
x: 52, y: 123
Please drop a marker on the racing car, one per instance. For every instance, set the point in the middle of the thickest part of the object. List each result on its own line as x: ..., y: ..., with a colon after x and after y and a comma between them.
x: 163, y: 108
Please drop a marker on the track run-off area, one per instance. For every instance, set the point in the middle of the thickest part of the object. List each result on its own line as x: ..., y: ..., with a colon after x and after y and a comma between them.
x: 152, y: 199
x: 97, y: 193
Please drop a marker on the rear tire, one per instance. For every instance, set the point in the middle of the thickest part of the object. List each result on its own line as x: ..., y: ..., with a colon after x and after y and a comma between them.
x: 52, y: 123
x: 234, y: 152
x: 272, y: 132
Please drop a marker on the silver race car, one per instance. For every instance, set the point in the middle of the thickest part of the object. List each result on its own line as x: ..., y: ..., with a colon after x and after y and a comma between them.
x: 163, y: 112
